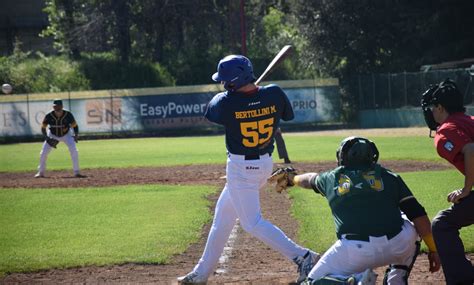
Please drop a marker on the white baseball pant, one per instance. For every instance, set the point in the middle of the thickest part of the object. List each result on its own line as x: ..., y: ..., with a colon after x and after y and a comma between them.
x: 240, y: 200
x: 68, y: 139
x: 346, y: 257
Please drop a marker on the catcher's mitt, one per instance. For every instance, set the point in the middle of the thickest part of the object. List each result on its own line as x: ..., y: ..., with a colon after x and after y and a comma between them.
x: 283, y: 177
x: 52, y: 142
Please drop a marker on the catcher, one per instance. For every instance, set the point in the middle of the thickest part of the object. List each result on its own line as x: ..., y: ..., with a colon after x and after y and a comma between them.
x: 365, y: 200
x: 60, y: 122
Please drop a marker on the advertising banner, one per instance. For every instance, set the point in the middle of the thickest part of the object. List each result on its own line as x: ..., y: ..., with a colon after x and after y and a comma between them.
x: 153, y: 110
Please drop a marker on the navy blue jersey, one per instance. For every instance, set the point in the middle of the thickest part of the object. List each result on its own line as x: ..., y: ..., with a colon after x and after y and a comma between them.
x: 250, y: 120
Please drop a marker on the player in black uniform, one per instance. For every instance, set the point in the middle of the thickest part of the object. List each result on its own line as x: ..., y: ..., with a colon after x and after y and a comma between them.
x: 61, y: 125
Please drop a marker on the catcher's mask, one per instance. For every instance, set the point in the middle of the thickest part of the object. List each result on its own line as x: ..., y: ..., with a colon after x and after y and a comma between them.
x: 357, y: 152
x: 445, y: 94
x: 234, y: 71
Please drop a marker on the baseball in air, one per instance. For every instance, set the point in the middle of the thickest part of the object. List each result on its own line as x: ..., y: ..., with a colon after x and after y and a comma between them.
x: 7, y: 88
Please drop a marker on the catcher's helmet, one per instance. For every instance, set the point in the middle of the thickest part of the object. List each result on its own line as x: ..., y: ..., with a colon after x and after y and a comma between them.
x: 357, y: 152
x: 234, y: 71
x: 446, y: 94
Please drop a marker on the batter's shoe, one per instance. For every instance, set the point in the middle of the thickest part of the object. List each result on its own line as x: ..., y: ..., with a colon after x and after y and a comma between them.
x: 368, y: 278
x: 305, y: 264
x: 191, y: 278
x: 78, y: 175
x: 39, y: 175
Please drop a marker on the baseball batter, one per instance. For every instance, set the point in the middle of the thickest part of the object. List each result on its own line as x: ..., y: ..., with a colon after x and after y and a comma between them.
x: 366, y: 200
x: 250, y: 115
x: 444, y: 111
x: 61, y: 125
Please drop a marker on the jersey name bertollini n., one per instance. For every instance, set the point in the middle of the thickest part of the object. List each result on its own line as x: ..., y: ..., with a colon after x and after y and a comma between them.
x: 250, y: 119
x: 256, y: 112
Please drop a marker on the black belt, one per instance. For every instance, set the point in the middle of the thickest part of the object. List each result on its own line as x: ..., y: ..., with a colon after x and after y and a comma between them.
x: 250, y: 156
x: 367, y: 238
x: 254, y: 156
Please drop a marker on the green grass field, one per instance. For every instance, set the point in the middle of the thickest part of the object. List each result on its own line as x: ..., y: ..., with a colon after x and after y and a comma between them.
x: 196, y: 150
x: 57, y: 228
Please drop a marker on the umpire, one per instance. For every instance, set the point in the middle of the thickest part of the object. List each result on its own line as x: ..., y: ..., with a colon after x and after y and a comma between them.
x: 444, y: 112
x: 61, y: 125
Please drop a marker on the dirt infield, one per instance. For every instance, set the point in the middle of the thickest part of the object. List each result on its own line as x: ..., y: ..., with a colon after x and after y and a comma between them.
x: 186, y: 175
x: 250, y: 262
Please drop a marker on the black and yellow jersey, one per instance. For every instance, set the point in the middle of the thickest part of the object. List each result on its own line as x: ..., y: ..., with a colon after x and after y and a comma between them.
x: 59, y: 126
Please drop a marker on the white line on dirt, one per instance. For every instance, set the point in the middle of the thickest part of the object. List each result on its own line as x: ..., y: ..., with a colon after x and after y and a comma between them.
x: 227, y: 252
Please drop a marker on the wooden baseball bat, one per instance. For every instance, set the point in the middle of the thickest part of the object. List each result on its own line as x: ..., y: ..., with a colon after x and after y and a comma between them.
x: 282, y: 54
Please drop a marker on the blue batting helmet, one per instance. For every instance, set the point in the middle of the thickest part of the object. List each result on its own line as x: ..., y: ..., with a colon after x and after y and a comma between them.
x: 234, y: 71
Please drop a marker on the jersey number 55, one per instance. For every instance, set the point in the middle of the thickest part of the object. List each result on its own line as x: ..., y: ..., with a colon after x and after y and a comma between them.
x: 257, y: 132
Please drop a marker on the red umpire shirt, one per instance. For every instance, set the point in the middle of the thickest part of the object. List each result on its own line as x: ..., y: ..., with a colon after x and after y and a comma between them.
x: 452, y: 136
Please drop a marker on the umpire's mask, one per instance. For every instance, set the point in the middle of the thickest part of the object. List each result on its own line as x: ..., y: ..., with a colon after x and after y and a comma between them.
x: 446, y: 94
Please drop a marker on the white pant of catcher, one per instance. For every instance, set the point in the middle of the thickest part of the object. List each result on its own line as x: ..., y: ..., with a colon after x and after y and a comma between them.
x: 240, y: 200
x: 347, y: 257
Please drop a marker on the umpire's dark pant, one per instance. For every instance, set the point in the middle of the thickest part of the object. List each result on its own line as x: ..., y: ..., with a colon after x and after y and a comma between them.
x: 446, y: 225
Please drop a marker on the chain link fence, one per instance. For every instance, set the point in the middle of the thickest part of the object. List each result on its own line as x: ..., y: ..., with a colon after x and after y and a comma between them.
x: 396, y: 90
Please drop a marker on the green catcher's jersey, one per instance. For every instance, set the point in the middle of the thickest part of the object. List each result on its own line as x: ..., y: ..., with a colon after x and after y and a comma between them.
x: 363, y: 202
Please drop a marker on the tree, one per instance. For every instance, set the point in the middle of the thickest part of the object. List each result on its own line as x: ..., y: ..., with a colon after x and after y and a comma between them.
x: 270, y: 26
x: 62, y: 26
x: 348, y: 37
x: 121, y: 9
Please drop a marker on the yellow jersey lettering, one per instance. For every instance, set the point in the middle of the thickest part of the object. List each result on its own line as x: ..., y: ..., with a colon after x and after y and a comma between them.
x: 344, y: 185
x: 375, y: 184
x: 256, y: 133
x: 255, y: 113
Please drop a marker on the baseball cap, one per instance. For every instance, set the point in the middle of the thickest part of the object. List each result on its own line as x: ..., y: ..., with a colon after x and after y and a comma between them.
x: 57, y: 102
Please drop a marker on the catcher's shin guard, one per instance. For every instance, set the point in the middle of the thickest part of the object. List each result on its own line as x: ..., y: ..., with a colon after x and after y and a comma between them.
x: 407, y: 269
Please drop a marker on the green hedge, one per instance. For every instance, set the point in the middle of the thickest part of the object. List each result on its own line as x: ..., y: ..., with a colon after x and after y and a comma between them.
x: 33, y: 74
x: 36, y: 73
x: 105, y: 71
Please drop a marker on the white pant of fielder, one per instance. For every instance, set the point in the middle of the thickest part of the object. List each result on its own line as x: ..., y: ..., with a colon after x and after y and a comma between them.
x: 68, y: 139
x: 240, y: 200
